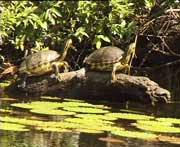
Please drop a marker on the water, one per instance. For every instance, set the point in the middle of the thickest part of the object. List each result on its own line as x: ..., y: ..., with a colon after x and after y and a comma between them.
x: 76, y: 137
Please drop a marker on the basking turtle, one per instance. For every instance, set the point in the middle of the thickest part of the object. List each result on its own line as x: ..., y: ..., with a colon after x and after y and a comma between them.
x: 43, y: 62
x: 110, y: 58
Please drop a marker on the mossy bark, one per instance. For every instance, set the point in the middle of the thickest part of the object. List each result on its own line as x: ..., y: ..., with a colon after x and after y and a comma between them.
x: 98, y: 85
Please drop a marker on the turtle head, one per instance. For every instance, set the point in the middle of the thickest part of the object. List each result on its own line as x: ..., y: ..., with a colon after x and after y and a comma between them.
x: 129, y: 55
x: 131, y: 48
x: 69, y: 45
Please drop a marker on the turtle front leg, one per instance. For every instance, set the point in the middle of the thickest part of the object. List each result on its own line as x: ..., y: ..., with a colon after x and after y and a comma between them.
x: 117, y: 66
x: 65, y: 65
x: 22, y: 82
x: 57, y: 65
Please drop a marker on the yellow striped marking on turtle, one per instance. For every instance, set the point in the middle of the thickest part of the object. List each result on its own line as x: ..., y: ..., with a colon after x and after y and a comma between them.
x: 110, y: 58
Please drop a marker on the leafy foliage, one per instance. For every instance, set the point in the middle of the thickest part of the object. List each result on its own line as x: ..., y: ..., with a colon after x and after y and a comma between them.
x: 38, y: 25
x: 30, y: 24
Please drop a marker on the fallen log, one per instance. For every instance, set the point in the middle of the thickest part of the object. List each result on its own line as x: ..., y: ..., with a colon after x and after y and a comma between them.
x: 98, y: 85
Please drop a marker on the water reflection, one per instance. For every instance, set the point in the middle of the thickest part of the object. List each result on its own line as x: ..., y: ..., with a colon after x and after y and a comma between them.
x: 54, y: 139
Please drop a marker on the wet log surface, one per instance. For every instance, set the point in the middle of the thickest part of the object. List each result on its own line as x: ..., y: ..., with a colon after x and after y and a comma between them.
x: 98, y: 85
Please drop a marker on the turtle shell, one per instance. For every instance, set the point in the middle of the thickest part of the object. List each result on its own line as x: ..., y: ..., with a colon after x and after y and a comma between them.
x: 38, y: 63
x: 105, y: 55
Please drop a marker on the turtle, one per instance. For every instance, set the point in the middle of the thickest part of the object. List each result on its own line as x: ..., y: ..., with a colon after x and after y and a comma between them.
x: 110, y: 58
x: 43, y: 62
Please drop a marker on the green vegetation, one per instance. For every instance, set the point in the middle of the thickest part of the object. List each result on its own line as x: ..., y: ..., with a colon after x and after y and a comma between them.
x: 5, y: 83
x: 51, y: 112
x: 95, y: 117
x: 170, y: 120
x: 38, y: 105
x: 38, y: 25
x: 12, y: 127
x: 158, y: 128
x: 85, y: 110
x: 51, y: 108
x: 134, y: 134
x: 129, y: 116
x: 34, y: 24
x: 88, y: 118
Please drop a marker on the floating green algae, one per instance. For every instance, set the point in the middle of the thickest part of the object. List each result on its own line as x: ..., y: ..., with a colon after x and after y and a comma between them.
x: 171, y: 120
x: 23, y: 121
x: 12, y: 127
x: 91, y: 118
x: 130, y: 111
x: 59, y: 126
x: 129, y: 116
x: 38, y: 105
x: 91, y: 124
x: 96, y: 117
x: 154, y: 123
x: 133, y: 134
x: 54, y: 105
x: 82, y: 104
x: 50, y: 98
x: 88, y: 121
x: 52, y: 129
x: 156, y: 126
x: 5, y: 110
x: 85, y: 110
x: 52, y: 112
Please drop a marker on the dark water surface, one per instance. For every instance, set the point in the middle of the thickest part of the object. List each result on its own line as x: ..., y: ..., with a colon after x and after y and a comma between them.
x: 167, y: 78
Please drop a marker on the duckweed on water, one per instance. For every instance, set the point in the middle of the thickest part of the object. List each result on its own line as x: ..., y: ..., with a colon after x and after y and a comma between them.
x: 85, y: 110
x: 38, y: 105
x: 5, y: 111
x: 91, y: 124
x: 88, y: 121
x: 91, y: 119
x: 52, y: 112
x: 129, y: 116
x: 54, y: 105
x: 134, y: 134
x: 50, y: 98
x: 54, y: 129
x: 130, y: 111
x: 12, y: 127
x: 20, y: 121
x: 52, y: 125
x: 171, y: 120
x: 156, y: 127
x: 154, y: 123
x: 95, y: 117
x: 83, y: 104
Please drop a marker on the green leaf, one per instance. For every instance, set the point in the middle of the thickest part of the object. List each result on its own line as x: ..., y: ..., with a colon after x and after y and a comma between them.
x: 105, y: 38
x: 81, y: 31
x: 98, y: 44
x: 150, y: 3
x: 55, y: 11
